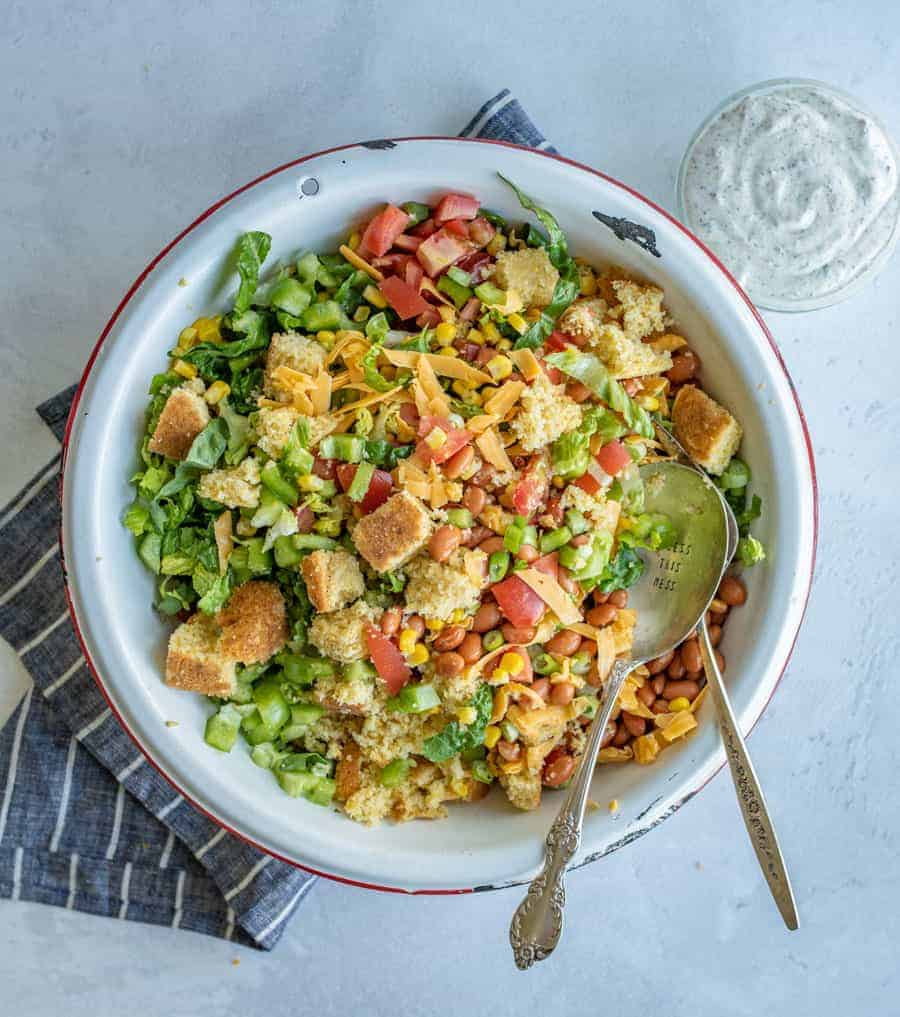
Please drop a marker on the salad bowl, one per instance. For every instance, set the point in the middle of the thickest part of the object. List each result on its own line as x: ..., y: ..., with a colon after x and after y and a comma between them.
x: 312, y: 203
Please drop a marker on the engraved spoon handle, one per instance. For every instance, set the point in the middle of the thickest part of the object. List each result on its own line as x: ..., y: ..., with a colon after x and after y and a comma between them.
x: 749, y: 793
x: 538, y: 921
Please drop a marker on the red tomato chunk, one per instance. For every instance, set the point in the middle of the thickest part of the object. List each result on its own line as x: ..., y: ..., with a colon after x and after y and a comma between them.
x: 388, y: 660
x: 404, y: 299
x: 456, y: 206
x: 384, y: 229
x: 378, y: 491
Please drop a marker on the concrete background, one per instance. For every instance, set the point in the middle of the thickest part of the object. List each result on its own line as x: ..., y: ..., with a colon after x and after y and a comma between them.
x: 120, y: 122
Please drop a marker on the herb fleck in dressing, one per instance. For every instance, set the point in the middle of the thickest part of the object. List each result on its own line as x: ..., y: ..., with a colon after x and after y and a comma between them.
x: 796, y: 190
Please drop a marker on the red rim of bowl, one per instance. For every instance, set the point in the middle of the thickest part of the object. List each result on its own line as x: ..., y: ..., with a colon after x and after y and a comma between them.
x: 135, y: 286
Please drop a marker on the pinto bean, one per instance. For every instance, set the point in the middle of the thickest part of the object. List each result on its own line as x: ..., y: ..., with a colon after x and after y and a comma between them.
x: 528, y: 554
x: 521, y: 635
x: 684, y: 367
x: 449, y: 665
x: 444, y: 541
x: 732, y: 591
x: 542, y: 688
x: 687, y: 688
x: 470, y: 648
x: 690, y: 654
x: 715, y: 634
x: 559, y: 771
x: 564, y: 643
x: 390, y: 621
x: 562, y: 693
x: 474, y: 499
x: 417, y: 623
x: 635, y: 726
x: 459, y: 462
x: 621, y: 736
x: 659, y: 664
x: 619, y: 598
x: 602, y: 614
x: 487, y: 617
x: 646, y: 695
x: 510, y: 751
x: 449, y: 638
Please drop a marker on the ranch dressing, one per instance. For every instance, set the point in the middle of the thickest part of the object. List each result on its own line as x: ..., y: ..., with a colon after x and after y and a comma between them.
x: 796, y: 190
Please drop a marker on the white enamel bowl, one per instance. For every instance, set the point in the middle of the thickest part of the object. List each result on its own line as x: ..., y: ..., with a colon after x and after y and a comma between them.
x: 310, y: 204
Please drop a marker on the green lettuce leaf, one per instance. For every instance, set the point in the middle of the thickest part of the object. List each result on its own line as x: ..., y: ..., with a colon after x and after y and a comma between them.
x: 252, y: 250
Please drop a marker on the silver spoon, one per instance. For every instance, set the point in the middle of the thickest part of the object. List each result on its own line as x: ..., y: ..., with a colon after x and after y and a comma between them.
x: 671, y: 599
x: 754, y: 810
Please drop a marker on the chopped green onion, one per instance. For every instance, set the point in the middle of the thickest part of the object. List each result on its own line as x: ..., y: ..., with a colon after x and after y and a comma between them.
x: 395, y: 772
x: 416, y: 211
x: 283, y: 489
x: 273, y: 707
x: 488, y: 293
x: 580, y: 663
x: 459, y: 276
x: 513, y: 537
x: 576, y: 522
x: 222, y: 728
x: 301, y: 670
x: 543, y: 663
x: 457, y: 293
x: 555, y: 539
x: 414, y: 698
x: 498, y: 566
x: 348, y: 447
x: 482, y: 772
x: 361, y: 480
x: 509, y: 731
x: 460, y: 517
x: 492, y: 640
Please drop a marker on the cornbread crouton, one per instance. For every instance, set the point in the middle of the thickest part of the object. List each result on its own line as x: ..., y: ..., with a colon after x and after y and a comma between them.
x: 604, y: 512
x: 347, y: 774
x: 640, y: 308
x: 253, y: 622
x: 393, y: 533
x: 437, y: 591
x: 583, y: 317
x: 345, y: 696
x: 183, y: 417
x: 234, y: 488
x: 341, y: 635
x: 288, y: 349
x: 536, y: 726
x: 274, y: 426
x: 522, y: 789
x: 546, y: 413
x: 195, y: 661
x: 627, y: 358
x: 530, y: 273
x: 333, y: 579
x: 390, y: 734
x: 709, y: 433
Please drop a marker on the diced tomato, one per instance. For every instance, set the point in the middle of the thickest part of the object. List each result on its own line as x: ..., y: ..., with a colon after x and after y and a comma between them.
x: 613, y: 457
x: 595, y: 479
x: 412, y: 272
x: 388, y: 660
x: 587, y: 484
x: 429, y: 318
x: 457, y: 438
x: 378, y: 491
x: 476, y: 264
x: 324, y: 468
x: 404, y: 299
x: 455, y: 206
x: 425, y: 228
x: 481, y: 232
x: 305, y: 518
x: 557, y: 341
x: 531, y: 488
x: 384, y: 229
x: 470, y: 309
x: 407, y: 242
x: 554, y: 375
x: 441, y: 249
x: 521, y: 605
x: 458, y: 228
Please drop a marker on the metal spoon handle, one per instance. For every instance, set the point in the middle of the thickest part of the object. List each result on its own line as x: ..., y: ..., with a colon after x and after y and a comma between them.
x: 538, y: 921
x: 749, y: 793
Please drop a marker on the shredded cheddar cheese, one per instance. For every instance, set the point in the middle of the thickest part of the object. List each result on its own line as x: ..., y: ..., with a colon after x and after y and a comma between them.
x: 490, y: 446
x: 552, y: 594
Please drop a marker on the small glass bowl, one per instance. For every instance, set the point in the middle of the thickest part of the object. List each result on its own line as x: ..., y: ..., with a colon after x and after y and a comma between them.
x: 767, y: 302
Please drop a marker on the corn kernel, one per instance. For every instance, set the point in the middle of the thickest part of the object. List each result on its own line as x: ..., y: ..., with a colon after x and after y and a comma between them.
x: 460, y: 788
x: 499, y: 367
x: 490, y: 330
x: 518, y: 323
x: 614, y: 806
x: 474, y: 336
x: 325, y: 336
x: 419, y: 656
x: 466, y: 715
x: 447, y: 314
x: 648, y: 402
x: 208, y: 330
x: 491, y: 735
x: 449, y: 351
x: 216, y: 392
x: 512, y: 663
x: 458, y: 616
x: 504, y: 344
x: 407, y: 641
x: 559, y: 482
x: 436, y: 438
x: 499, y: 676
x: 188, y: 337
x: 185, y: 369
x: 353, y: 241
x: 374, y: 296
x: 681, y: 703
x: 445, y: 333
x: 434, y: 624
x: 361, y: 313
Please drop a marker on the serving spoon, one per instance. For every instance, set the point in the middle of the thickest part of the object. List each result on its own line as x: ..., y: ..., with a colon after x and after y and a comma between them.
x: 671, y: 598
x: 754, y: 810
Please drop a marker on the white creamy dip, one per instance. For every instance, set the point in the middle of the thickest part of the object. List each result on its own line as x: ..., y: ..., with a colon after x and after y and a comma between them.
x: 795, y: 189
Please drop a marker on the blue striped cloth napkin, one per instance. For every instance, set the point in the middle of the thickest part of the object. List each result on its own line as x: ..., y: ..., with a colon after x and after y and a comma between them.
x: 85, y: 822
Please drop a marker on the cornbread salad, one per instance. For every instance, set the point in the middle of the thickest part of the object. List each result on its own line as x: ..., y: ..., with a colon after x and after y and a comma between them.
x: 392, y: 502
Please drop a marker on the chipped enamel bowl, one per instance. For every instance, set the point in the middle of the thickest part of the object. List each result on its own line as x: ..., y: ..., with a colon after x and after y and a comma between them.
x: 310, y: 203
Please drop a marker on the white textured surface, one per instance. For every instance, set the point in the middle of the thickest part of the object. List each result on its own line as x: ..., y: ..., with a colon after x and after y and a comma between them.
x: 119, y: 124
